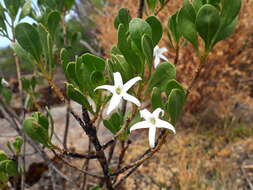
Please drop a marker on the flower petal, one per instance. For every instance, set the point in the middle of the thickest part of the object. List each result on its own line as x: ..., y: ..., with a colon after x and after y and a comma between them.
x: 146, y: 114
x: 106, y: 87
x: 156, y: 48
x: 117, y: 79
x: 132, y: 99
x: 157, y: 61
x: 114, y: 102
x: 157, y: 112
x: 164, y: 124
x: 130, y: 83
x: 162, y: 50
x: 140, y: 125
x: 163, y: 57
x: 151, y: 136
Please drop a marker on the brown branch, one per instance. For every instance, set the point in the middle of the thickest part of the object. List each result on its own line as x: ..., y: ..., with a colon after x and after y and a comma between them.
x: 162, y: 7
x: 140, y: 8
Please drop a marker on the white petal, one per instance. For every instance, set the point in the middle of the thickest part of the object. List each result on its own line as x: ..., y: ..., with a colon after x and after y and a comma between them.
x: 162, y: 50
x: 114, y: 102
x: 140, y: 125
x: 146, y: 114
x: 117, y: 79
x: 132, y: 99
x: 106, y: 87
x: 163, y: 57
x: 157, y: 61
x: 164, y: 124
x: 156, y: 48
x: 157, y: 112
x: 151, y: 136
x: 130, y: 83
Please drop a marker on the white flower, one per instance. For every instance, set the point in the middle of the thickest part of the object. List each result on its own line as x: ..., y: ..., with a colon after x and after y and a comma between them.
x: 158, y: 54
x: 119, y: 91
x: 4, y: 83
x: 152, y: 122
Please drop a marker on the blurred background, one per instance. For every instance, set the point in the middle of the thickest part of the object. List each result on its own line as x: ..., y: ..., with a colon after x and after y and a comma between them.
x: 213, y: 148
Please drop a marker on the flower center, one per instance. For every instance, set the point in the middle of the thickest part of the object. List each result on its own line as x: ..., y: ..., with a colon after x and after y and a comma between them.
x: 118, y: 90
x: 152, y: 120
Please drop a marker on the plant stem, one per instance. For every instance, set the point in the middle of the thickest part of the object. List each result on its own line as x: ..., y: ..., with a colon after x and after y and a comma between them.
x: 140, y: 8
x: 197, y: 72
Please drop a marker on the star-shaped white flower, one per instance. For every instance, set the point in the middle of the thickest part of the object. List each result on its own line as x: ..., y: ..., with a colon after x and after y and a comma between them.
x: 158, y: 54
x: 152, y: 122
x: 119, y: 91
x: 4, y: 83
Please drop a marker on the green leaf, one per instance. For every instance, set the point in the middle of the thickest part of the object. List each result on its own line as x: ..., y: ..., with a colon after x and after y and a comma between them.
x: 126, y: 49
x: 76, y: 95
x: 186, y: 23
x: 3, y: 156
x: 2, y: 18
x: 12, y: 7
x: 124, y: 17
x: 64, y: 55
x: 71, y: 73
x: 156, y: 100
x: 26, y: 10
x: 163, y: 73
x: 147, y: 49
x: 207, y: 23
x: 152, y: 5
x: 29, y: 39
x: 174, y: 28
x: 53, y: 22
x: 97, y: 78
x: 175, y: 104
x: 114, y: 123
x: 197, y: 4
x: 20, y: 52
x: 69, y: 4
x: 9, y: 167
x: 36, y: 127
x: 17, y: 144
x: 137, y: 28
x: 173, y: 84
x: 157, y: 29
x: 225, y: 32
x: 230, y: 9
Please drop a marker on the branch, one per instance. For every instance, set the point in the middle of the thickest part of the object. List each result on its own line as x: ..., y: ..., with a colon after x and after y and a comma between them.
x: 140, y: 9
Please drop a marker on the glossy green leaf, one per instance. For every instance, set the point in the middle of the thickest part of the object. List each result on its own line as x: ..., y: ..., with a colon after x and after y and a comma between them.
x: 230, y: 9
x: 163, y: 73
x: 29, y: 39
x: 156, y: 100
x: 3, y: 156
x: 147, y: 49
x: 137, y: 28
x: 175, y: 104
x: 53, y: 22
x: 174, y: 28
x: 157, y: 29
x: 126, y: 49
x: 207, y: 23
x: 173, y: 84
x: 225, y: 32
x: 76, y: 95
x: 152, y: 5
x: 186, y: 23
x: 97, y: 78
x: 26, y: 10
x: 124, y: 17
x: 9, y: 167
x: 36, y: 127
x: 197, y: 4
x: 114, y: 123
x: 12, y: 7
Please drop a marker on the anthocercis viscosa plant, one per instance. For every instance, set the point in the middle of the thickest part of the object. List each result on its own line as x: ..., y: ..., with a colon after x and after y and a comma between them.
x: 135, y: 82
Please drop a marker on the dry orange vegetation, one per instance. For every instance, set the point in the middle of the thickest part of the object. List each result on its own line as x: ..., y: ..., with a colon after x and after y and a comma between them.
x: 217, y: 153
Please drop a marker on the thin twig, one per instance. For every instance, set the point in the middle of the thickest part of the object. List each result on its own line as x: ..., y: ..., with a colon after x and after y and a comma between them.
x: 66, y: 131
x: 162, y: 7
x: 86, y: 168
